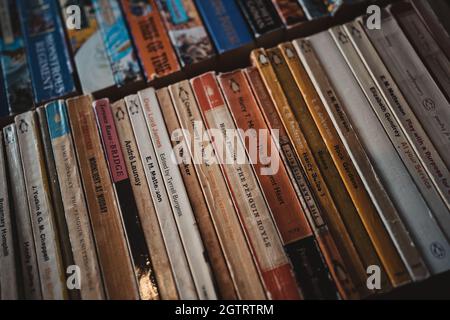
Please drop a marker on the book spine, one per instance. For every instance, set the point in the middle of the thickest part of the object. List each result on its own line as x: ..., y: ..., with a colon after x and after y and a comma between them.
x: 424, y: 44
x: 28, y: 260
x: 122, y: 185
x: 8, y: 255
x: 186, y: 31
x: 152, y: 43
x: 74, y: 205
x: 13, y: 60
x: 225, y: 24
x: 426, y: 101
x: 146, y: 209
x: 260, y: 16
x: 350, y: 94
x: 87, y: 47
x: 296, y: 234
x: 112, y: 248
x: 342, y: 199
x: 401, y: 112
x: 290, y: 12
x: 179, y: 200
x: 223, y: 212
x: 48, y: 57
x: 202, y: 214
x: 174, y: 246
x: 55, y: 192
x: 346, y: 245
x: 314, y: 9
x: 431, y: 20
x: 393, y: 169
x: 255, y: 215
x: 42, y: 215
x: 117, y: 41
x: 318, y: 88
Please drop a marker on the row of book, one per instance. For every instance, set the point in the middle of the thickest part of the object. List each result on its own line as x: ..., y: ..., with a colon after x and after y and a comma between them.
x: 164, y: 195
x: 54, y: 49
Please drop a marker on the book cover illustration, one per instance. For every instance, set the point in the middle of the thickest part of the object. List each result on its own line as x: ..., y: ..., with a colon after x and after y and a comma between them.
x: 13, y: 60
x: 88, y: 49
x: 186, y: 30
x: 116, y: 38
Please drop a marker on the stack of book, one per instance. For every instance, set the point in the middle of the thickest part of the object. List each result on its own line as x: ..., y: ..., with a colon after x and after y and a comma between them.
x: 54, y: 49
x: 319, y: 171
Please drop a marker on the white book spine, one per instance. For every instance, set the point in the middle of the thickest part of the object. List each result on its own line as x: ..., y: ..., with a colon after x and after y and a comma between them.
x: 9, y: 289
x: 174, y: 246
x: 398, y: 170
x: 350, y: 95
x: 184, y: 216
x: 427, y: 102
x: 45, y: 235
x: 75, y: 207
x: 28, y: 259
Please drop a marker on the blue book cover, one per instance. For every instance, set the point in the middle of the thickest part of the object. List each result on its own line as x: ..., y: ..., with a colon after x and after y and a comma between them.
x: 13, y: 60
x: 3, y: 105
x: 116, y: 38
x: 225, y: 24
x: 48, y: 57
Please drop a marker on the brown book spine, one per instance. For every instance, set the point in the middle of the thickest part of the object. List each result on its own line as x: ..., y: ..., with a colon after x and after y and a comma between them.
x: 223, y: 212
x: 381, y: 240
x: 346, y: 205
x: 311, y: 207
x: 112, y: 247
x: 296, y: 234
x: 146, y: 210
x: 310, y: 165
x: 208, y: 233
x: 256, y: 217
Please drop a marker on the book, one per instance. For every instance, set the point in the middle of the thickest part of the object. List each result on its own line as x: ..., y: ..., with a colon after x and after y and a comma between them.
x: 425, y: 45
x: 148, y: 288
x: 175, y: 250
x: 48, y: 57
x: 319, y: 88
x: 29, y: 271
x: 311, y: 207
x: 400, y: 168
x: 347, y: 89
x: 353, y: 264
x: 116, y: 38
x: 425, y: 99
x: 9, y: 278
x: 186, y: 31
x: 225, y: 23
x: 13, y: 60
x: 296, y: 234
x: 48, y: 251
x: 256, y: 216
x: 87, y: 47
x: 55, y: 195
x: 314, y: 9
x: 223, y: 212
x: 4, y: 109
x: 431, y: 18
x: 178, y: 198
x: 290, y: 12
x: 146, y: 209
x: 75, y: 211
x: 399, y: 108
x: 222, y: 275
x: 152, y: 43
x: 260, y: 16
x: 107, y: 226
x: 347, y: 208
